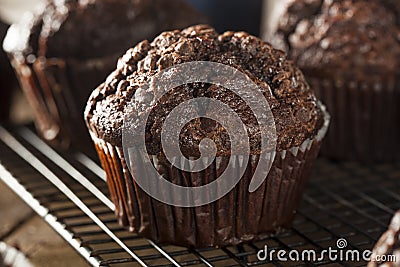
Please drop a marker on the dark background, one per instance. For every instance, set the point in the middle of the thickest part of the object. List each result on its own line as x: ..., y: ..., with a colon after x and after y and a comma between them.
x: 237, y: 15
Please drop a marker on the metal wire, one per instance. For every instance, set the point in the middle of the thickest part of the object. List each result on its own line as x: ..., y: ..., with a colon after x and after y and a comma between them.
x: 40, y: 167
x: 31, y: 138
x: 343, y: 200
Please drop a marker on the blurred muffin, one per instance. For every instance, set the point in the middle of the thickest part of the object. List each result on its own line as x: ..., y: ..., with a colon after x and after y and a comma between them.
x: 349, y: 52
x: 388, y: 246
x: 65, y: 49
x: 239, y: 216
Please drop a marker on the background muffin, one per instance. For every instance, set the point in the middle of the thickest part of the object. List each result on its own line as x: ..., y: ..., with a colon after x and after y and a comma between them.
x: 239, y: 216
x: 64, y: 50
x: 349, y: 52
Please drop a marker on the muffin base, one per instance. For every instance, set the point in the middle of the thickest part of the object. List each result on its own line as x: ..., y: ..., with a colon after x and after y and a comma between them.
x: 236, y: 218
x: 365, y: 119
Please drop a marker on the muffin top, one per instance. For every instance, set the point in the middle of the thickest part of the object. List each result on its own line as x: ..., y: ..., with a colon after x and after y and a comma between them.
x: 389, y: 243
x: 80, y: 29
x: 294, y: 107
x: 356, y: 38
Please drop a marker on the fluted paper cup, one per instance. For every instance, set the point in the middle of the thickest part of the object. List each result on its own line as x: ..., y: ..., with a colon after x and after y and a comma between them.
x: 365, y: 119
x: 238, y: 217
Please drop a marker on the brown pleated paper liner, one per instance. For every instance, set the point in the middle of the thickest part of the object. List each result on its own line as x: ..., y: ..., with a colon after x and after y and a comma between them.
x: 236, y: 218
x: 365, y: 119
x: 57, y: 91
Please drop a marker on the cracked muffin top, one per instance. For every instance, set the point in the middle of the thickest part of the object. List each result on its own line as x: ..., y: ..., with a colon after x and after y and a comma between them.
x: 297, y: 113
x: 355, y: 38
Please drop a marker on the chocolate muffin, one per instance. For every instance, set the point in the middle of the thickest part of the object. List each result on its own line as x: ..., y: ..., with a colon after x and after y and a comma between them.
x: 64, y: 51
x: 349, y: 52
x: 239, y: 216
x: 388, y: 246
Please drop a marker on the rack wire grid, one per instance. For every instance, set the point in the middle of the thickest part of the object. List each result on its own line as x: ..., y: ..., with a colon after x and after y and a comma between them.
x: 342, y: 201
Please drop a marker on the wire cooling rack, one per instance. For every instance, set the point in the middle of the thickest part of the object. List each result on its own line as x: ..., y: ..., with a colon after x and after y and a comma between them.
x: 343, y: 201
